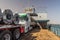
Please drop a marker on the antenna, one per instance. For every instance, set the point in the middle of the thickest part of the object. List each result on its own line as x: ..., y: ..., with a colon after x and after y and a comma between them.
x: 33, y: 8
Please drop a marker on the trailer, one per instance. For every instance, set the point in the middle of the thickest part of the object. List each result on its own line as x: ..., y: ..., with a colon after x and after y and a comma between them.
x: 9, y: 30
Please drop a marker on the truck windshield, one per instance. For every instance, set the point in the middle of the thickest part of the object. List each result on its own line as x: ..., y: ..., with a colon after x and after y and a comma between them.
x: 23, y: 18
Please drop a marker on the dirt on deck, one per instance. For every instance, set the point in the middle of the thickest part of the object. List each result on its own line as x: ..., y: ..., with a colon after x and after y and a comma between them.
x: 38, y: 34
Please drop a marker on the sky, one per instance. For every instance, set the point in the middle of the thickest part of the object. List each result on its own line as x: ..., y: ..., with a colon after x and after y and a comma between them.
x: 52, y: 7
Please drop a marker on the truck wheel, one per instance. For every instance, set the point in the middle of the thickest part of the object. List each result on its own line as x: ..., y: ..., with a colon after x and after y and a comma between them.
x: 16, y: 34
x: 6, y: 35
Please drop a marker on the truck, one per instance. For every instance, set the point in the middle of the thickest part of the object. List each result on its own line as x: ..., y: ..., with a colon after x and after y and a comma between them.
x: 12, y: 26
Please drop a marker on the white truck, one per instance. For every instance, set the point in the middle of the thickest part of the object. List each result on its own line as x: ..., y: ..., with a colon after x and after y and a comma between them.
x: 13, y: 26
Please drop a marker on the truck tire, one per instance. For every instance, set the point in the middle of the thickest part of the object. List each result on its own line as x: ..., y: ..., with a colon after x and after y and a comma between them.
x: 6, y: 35
x: 16, y: 34
x: 16, y: 19
x: 7, y: 16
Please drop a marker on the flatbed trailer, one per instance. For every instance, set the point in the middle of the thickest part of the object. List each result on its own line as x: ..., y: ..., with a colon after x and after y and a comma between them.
x: 10, y: 32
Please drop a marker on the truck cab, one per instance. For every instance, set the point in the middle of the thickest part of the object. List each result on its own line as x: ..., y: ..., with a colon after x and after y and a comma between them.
x: 24, y: 21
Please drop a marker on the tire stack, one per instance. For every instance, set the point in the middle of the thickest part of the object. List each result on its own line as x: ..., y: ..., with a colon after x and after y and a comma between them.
x: 7, y: 16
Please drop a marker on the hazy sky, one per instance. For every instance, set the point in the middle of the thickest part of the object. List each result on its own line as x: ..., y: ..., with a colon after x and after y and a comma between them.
x: 52, y: 6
